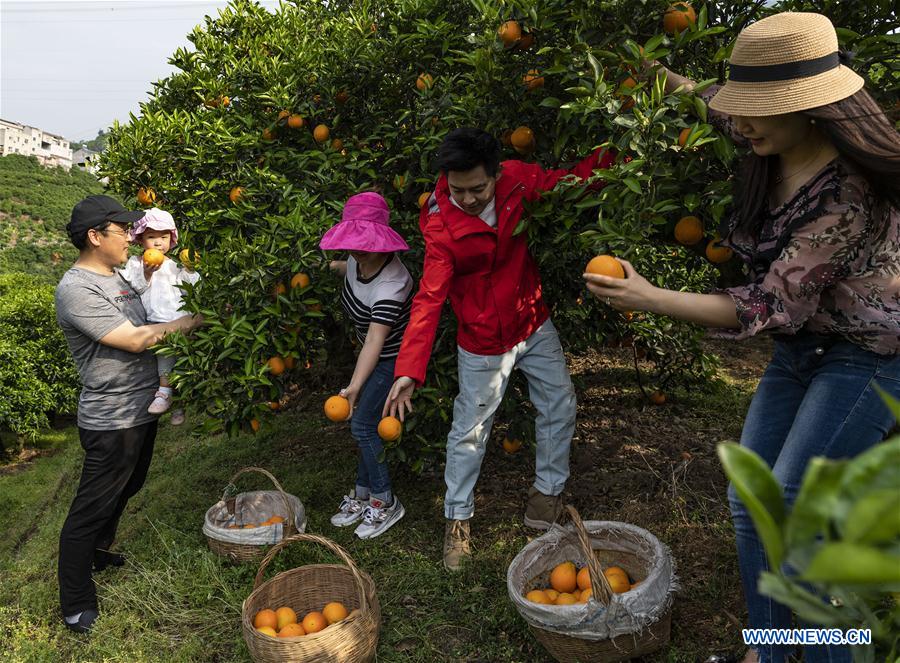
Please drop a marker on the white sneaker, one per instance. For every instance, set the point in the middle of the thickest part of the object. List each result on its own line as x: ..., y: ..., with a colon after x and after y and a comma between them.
x: 350, y: 511
x: 177, y: 417
x: 161, y: 403
x: 378, y: 518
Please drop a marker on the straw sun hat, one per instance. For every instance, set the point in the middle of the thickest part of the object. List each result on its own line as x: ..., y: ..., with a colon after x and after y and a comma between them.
x: 785, y: 63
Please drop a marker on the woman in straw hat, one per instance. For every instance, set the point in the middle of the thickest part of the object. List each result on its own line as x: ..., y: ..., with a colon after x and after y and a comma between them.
x: 816, y: 223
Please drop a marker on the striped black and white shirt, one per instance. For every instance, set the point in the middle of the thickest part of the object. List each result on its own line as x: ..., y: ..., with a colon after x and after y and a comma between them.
x: 385, y: 298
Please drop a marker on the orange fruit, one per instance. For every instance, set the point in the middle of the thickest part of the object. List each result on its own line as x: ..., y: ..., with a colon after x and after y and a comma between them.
x: 267, y: 630
x: 337, y: 408
x: 265, y: 618
x: 291, y: 631
x: 389, y: 429
x: 268, y: 134
x: 399, y: 182
x: 526, y: 42
x: 510, y: 33
x: 342, y: 97
x: 285, y: 616
x: 511, y: 446
x: 522, y: 138
x: 236, y: 194
x: 678, y: 17
x: 584, y: 578
x: 276, y: 519
x: 658, y: 398
x: 276, y: 365
x: 688, y: 230
x: 537, y: 596
x: 146, y: 196
x: 716, y: 253
x: 337, y: 145
x: 585, y: 595
x: 251, y: 525
x: 683, y: 136
x: 334, y: 612
x: 566, y: 598
x: 274, y: 405
x: 283, y: 114
x: 423, y: 198
x: 184, y: 256
x: 299, y: 280
x: 424, y: 82
x: 625, y: 86
x: 321, y: 133
x: 254, y: 424
x: 533, y: 80
x: 552, y: 594
x: 563, y: 578
x: 280, y: 289
x: 314, y: 622
x: 154, y: 257
x: 607, y: 266
x: 619, y: 584
x: 616, y: 571
x: 296, y: 121
x: 289, y: 363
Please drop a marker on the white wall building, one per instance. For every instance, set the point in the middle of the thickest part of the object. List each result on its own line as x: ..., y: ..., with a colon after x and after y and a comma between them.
x: 50, y: 149
x: 86, y: 159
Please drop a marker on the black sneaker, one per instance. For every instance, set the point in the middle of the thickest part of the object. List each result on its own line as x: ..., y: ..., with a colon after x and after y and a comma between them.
x: 104, y: 558
x: 85, y: 621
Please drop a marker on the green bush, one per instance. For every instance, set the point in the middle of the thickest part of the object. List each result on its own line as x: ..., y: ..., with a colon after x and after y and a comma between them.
x: 37, y: 375
x: 841, y: 538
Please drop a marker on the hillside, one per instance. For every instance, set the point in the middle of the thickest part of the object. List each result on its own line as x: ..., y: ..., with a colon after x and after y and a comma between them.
x: 35, y: 204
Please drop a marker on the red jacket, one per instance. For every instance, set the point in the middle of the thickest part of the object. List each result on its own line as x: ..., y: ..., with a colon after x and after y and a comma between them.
x: 489, y: 275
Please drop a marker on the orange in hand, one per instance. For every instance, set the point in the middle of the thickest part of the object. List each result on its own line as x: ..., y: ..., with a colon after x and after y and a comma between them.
x: 337, y: 408
x: 154, y: 257
x: 606, y: 266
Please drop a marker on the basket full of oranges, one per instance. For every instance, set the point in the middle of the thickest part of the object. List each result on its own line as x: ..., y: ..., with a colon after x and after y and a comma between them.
x: 240, y: 525
x: 315, y: 613
x: 595, y: 591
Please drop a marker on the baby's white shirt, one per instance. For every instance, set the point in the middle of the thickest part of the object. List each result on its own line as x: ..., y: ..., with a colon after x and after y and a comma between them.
x: 162, y: 299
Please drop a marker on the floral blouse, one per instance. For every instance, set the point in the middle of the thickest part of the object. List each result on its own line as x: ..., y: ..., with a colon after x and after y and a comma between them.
x: 826, y: 261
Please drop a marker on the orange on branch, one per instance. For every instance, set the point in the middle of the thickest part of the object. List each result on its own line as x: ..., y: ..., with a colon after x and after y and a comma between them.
x: 689, y: 230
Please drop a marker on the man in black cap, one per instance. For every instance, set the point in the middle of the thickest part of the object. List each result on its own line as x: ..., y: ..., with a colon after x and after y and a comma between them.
x: 104, y: 323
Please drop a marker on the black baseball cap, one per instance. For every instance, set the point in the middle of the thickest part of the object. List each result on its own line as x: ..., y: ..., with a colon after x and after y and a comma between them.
x: 93, y: 211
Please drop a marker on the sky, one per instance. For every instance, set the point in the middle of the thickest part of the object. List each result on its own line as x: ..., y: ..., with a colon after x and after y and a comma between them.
x: 71, y: 67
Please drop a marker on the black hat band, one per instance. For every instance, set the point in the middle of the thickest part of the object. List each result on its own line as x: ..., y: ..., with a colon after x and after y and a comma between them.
x: 783, y: 72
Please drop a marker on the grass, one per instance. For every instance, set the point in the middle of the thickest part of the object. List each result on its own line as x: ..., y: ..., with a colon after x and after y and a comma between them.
x: 176, y: 601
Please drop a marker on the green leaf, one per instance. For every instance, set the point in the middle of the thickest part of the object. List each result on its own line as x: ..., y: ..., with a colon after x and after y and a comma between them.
x: 892, y: 403
x: 632, y: 184
x: 815, y: 503
x: 875, y: 518
x: 852, y: 563
x: 760, y: 493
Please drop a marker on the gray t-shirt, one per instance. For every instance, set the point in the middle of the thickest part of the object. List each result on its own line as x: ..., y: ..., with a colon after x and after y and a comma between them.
x: 118, y: 385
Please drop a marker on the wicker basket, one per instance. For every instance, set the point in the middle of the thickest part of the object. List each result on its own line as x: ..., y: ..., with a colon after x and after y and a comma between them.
x: 572, y: 647
x: 240, y: 552
x: 351, y: 640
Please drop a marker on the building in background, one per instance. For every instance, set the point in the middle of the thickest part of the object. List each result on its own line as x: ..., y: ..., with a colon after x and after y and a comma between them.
x: 49, y: 149
x: 86, y: 159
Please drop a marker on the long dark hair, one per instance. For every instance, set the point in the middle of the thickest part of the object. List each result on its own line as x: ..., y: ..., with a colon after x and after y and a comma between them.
x: 862, y: 135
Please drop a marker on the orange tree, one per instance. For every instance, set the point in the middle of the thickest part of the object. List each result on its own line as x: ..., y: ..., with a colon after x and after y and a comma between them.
x: 273, y: 120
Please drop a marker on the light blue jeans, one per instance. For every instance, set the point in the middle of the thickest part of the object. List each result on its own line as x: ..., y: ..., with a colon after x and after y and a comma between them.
x: 482, y: 382
x: 816, y: 398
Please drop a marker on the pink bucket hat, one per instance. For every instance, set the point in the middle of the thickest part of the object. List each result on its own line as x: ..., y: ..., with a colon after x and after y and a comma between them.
x: 154, y: 219
x: 364, y: 227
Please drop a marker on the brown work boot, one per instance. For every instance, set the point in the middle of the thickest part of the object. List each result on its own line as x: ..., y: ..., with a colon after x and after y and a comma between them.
x: 542, y: 510
x: 456, y: 544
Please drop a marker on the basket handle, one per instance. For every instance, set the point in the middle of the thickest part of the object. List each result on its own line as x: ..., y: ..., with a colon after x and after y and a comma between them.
x: 322, y: 541
x: 229, y: 502
x: 600, y: 587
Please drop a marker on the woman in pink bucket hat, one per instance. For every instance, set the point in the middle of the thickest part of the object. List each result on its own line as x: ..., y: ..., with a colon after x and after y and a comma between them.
x: 160, y: 294
x: 376, y: 298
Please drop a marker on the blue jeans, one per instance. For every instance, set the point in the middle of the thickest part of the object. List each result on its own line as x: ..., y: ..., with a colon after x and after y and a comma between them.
x: 482, y: 382
x: 815, y: 399
x: 372, y: 473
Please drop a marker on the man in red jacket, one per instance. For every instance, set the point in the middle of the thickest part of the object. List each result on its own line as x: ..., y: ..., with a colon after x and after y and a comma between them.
x: 472, y: 256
